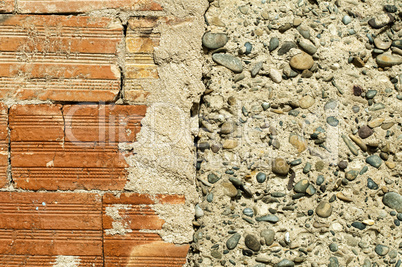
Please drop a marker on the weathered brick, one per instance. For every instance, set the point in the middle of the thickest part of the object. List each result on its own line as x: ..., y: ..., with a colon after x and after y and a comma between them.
x: 60, y: 58
x: 36, y: 228
x: 71, y: 147
x: 78, y: 6
x: 7, y: 6
x: 142, y: 37
x: 130, y: 244
x: 4, y: 139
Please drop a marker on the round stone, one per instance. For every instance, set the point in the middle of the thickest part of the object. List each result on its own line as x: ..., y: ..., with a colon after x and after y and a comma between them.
x: 273, y: 44
x: 275, y: 75
x: 333, y: 247
x: 365, y: 132
x: 306, y: 102
x: 359, y: 225
x: 324, y: 209
x: 228, y: 61
x: 214, y: 40
x: 280, y: 166
x: 374, y: 161
x: 285, y: 263
x: 198, y: 211
x: 393, y: 200
x: 261, y: 177
x: 213, y: 178
x: 333, y: 121
x: 387, y: 60
x: 252, y: 243
x: 346, y: 19
x: 269, y: 236
x: 232, y: 242
x: 229, y: 189
x: 301, y: 186
x: 301, y: 61
x: 351, y: 175
x: 320, y: 180
x: 248, y: 212
x: 333, y: 262
x: 381, y: 250
x: 343, y: 164
x: 371, y: 184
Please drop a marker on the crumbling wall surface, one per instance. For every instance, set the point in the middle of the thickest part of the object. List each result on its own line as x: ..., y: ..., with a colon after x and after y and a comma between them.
x: 97, y: 151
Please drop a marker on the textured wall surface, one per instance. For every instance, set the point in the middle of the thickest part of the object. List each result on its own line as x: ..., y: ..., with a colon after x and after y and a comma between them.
x: 96, y: 152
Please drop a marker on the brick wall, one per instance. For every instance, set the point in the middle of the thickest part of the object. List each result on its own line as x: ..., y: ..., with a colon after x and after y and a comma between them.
x: 78, y: 81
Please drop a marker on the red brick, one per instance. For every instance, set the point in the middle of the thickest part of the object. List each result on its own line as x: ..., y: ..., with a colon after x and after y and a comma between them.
x: 37, y: 227
x: 7, y: 6
x: 136, y: 247
x: 4, y: 139
x: 77, y: 6
x: 71, y: 147
x: 60, y: 58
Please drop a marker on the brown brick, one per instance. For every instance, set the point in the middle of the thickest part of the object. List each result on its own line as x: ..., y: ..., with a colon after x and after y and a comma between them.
x: 4, y: 139
x: 135, y: 246
x: 7, y: 6
x: 77, y: 6
x: 71, y: 147
x: 60, y: 58
x: 141, y: 40
x: 37, y: 227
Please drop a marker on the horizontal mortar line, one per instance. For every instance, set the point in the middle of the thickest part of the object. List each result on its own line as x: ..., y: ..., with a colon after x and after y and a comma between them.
x: 57, y: 54
x: 49, y: 61
x: 58, y: 64
x: 60, y: 32
x: 86, y: 89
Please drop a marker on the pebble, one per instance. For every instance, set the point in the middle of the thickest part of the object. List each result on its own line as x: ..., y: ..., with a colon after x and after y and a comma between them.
x: 371, y: 184
x: 381, y: 250
x: 374, y: 161
x: 248, y: 47
x: 381, y: 21
x: 333, y: 247
x: 333, y: 262
x: 280, y: 166
x: 232, y: 242
x: 390, y: 8
x: 331, y: 104
x: 261, y: 177
x: 301, y: 186
x: 213, y: 178
x: 324, y: 210
x: 306, y: 101
x: 365, y: 132
x: 229, y: 189
x: 375, y: 123
x: 320, y: 180
x: 248, y: 212
x: 307, y: 168
x: 230, y: 144
x: 349, y: 144
x: 228, y: 61
x: 273, y: 44
x: 198, y: 211
x: 308, y: 47
x: 387, y: 60
x: 343, y: 164
x: 359, y: 225
x: 301, y: 61
x: 393, y: 200
x: 268, y: 218
x: 269, y: 236
x: 286, y: 46
x: 285, y: 263
x: 252, y: 242
x: 397, y: 43
x: 216, y: 254
x: 346, y: 19
x: 381, y: 44
x: 214, y: 40
x: 275, y: 75
x: 299, y: 142
x: 333, y: 121
x: 256, y: 69
x: 304, y: 31
x: 351, y: 175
